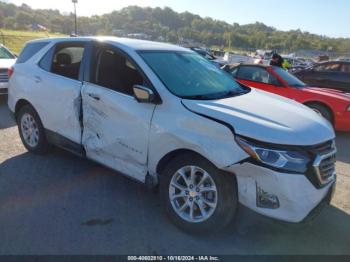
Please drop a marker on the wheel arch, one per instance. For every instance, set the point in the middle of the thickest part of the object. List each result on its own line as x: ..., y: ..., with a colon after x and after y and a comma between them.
x: 171, y: 155
x: 21, y: 103
x: 321, y: 103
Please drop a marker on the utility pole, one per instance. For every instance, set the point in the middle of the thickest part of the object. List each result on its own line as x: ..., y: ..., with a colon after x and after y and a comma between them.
x: 75, y: 17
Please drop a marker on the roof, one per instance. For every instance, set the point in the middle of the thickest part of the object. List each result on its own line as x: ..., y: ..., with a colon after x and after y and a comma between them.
x: 134, y: 44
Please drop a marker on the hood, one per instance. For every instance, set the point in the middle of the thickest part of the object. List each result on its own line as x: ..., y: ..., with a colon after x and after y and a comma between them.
x: 328, y: 92
x: 267, y: 117
x: 7, y: 63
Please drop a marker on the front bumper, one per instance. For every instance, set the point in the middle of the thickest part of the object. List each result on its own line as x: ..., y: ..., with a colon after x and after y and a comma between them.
x: 297, y: 196
x: 342, y: 121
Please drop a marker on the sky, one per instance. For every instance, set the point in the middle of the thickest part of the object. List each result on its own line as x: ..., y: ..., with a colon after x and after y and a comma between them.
x: 324, y: 17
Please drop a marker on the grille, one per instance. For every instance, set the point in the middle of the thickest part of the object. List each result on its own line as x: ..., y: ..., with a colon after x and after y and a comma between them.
x: 327, y: 167
x: 3, y: 75
x: 324, y: 164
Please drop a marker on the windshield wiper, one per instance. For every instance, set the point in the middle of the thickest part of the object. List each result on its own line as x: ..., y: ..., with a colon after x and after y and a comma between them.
x: 198, y: 97
x: 214, y: 96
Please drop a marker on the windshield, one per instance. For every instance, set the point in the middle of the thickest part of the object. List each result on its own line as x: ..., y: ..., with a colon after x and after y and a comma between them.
x: 289, y: 78
x: 5, y: 54
x: 189, y: 75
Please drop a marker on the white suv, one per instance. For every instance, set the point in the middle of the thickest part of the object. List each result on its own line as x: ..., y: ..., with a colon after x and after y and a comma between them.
x: 7, y: 59
x: 163, y: 115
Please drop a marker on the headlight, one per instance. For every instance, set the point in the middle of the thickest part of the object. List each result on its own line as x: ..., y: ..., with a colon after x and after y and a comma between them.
x: 289, y: 160
x: 348, y: 109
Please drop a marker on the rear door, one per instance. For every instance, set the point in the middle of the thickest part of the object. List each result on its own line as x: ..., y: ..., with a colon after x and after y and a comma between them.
x: 116, y: 126
x: 57, y: 84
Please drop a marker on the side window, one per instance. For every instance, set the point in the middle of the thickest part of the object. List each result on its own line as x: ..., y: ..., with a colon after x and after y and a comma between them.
x: 319, y: 68
x: 345, y: 68
x: 329, y: 67
x: 29, y: 51
x: 64, y: 59
x: 257, y: 74
x: 116, y: 72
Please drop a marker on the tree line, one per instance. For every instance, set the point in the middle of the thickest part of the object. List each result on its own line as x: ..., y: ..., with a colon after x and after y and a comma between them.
x: 168, y: 25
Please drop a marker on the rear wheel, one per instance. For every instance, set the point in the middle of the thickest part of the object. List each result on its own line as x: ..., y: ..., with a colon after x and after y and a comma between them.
x: 196, y: 195
x: 323, y: 111
x: 31, y: 130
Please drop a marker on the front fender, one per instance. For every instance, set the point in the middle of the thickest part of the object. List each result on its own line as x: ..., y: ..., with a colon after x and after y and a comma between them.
x: 181, y: 129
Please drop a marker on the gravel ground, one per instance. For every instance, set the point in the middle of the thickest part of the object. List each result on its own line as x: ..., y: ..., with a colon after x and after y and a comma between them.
x: 61, y: 204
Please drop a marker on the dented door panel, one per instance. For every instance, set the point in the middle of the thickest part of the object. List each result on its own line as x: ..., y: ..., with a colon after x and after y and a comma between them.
x: 58, y: 100
x: 116, y: 130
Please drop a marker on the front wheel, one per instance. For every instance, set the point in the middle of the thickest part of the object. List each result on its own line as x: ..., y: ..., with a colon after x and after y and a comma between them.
x: 196, y: 195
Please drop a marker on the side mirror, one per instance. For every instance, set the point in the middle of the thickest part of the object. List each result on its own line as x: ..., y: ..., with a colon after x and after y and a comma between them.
x: 143, y: 94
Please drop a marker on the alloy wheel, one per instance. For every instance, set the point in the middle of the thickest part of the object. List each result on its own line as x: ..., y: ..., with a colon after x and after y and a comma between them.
x: 193, y: 194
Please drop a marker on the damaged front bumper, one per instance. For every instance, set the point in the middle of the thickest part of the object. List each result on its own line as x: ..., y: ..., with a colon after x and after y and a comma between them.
x: 287, y: 197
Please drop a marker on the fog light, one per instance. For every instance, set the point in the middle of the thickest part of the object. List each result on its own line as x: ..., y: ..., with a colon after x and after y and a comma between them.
x: 265, y: 199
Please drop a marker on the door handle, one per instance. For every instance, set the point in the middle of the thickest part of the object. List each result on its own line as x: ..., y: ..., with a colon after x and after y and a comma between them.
x: 37, y: 79
x: 94, y: 96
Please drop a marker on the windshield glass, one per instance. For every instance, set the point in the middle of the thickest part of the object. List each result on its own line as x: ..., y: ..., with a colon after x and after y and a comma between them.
x: 5, y: 54
x: 189, y: 75
x: 289, y: 78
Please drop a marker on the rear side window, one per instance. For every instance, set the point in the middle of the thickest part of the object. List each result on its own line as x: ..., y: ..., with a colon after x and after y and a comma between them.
x: 256, y: 74
x: 64, y: 59
x: 29, y: 51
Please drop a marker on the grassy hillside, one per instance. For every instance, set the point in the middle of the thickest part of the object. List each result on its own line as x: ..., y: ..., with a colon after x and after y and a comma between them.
x: 15, y: 40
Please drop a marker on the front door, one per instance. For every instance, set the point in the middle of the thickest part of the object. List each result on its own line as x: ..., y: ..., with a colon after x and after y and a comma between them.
x: 116, y: 126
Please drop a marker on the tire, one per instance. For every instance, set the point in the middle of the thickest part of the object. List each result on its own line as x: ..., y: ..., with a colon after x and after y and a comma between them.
x: 323, y: 111
x: 217, y: 216
x: 34, y: 139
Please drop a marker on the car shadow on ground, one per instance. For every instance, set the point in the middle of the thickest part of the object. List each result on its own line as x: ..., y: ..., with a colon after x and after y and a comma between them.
x: 6, y: 120
x: 61, y: 204
x: 343, y: 147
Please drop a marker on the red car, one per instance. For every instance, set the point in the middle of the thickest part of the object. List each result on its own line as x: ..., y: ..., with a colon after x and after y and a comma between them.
x: 332, y: 104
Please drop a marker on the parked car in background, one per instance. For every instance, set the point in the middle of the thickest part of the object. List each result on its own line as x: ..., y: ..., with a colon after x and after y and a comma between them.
x: 207, y: 55
x: 333, y: 74
x: 164, y: 115
x: 232, y: 58
x: 261, y: 60
x: 344, y: 59
x: 331, y: 104
x: 297, y: 62
x: 263, y: 57
x: 7, y: 60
